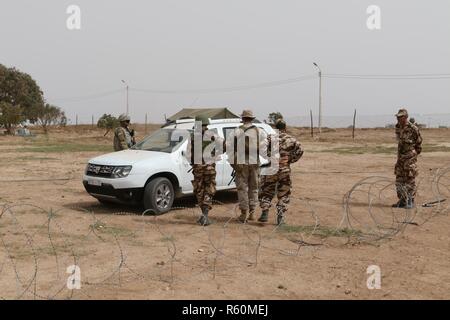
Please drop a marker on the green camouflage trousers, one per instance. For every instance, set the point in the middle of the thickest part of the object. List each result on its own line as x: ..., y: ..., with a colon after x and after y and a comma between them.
x: 279, y: 183
x: 204, y: 183
x: 406, y: 173
x: 247, y: 181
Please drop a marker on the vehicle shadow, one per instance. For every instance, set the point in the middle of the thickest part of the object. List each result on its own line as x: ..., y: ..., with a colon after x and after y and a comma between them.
x: 112, y: 208
x: 106, y: 208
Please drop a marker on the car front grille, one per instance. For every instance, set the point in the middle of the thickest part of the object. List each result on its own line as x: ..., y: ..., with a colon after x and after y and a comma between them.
x: 130, y: 194
x: 95, y: 170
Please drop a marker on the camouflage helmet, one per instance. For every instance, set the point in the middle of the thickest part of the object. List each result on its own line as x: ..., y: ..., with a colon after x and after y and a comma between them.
x: 203, y: 119
x: 123, y: 117
x: 402, y: 113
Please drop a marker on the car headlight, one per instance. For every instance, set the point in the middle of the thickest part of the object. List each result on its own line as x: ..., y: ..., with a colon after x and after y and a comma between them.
x: 121, y: 172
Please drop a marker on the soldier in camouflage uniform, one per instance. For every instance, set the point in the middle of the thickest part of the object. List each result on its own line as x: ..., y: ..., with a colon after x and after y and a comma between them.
x: 204, y: 167
x: 243, y: 154
x: 290, y: 151
x: 123, y: 136
x: 409, y: 147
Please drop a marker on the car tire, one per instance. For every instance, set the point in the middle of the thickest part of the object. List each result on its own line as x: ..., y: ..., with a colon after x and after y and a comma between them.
x: 159, y: 195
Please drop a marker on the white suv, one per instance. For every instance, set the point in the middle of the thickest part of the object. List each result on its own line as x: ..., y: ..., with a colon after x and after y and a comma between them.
x: 155, y: 171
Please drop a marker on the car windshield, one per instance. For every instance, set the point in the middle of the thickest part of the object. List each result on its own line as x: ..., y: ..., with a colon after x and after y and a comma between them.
x: 163, y: 140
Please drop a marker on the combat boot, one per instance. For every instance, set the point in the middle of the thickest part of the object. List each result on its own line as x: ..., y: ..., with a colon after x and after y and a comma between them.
x: 243, y: 217
x: 264, y: 216
x: 204, y: 220
x: 400, y: 204
x: 251, y: 216
x: 409, y: 203
x: 280, y: 220
x: 201, y: 220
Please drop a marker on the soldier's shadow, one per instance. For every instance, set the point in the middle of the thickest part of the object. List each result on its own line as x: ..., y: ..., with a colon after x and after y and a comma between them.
x: 221, y: 197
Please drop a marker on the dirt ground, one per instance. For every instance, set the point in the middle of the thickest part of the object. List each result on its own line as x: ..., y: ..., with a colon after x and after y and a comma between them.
x: 48, y: 223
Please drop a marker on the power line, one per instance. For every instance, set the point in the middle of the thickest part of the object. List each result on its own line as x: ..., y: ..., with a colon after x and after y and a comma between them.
x: 268, y: 84
x: 229, y: 89
x: 88, y: 97
x: 389, y: 76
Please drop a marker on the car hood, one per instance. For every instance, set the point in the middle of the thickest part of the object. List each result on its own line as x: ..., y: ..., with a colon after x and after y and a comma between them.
x: 129, y: 157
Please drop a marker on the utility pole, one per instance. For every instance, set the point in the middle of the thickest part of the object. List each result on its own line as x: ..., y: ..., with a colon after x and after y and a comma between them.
x: 320, y: 97
x: 145, y: 123
x: 127, y: 88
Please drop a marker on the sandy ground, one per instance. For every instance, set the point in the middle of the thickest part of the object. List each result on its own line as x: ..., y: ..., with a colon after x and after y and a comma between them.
x: 48, y: 222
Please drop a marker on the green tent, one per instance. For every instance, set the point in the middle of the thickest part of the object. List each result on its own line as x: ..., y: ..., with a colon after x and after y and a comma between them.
x: 212, y: 113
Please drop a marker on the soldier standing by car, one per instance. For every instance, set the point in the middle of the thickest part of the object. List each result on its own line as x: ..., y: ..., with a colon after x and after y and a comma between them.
x: 243, y: 154
x: 409, y: 147
x: 203, y: 164
x: 290, y: 151
x: 123, y: 136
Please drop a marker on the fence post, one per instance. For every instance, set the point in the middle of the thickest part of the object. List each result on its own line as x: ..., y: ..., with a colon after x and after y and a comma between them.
x: 354, y: 125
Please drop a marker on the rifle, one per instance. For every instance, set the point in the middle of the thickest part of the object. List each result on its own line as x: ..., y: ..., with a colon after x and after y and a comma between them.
x: 133, y: 139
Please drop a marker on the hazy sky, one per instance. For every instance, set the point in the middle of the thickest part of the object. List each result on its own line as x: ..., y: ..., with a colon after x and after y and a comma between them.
x: 201, y: 44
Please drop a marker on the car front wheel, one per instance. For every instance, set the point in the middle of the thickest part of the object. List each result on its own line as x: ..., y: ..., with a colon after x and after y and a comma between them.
x: 159, y: 195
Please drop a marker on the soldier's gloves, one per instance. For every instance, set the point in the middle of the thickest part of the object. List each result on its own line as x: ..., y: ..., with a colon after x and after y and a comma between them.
x: 132, y: 133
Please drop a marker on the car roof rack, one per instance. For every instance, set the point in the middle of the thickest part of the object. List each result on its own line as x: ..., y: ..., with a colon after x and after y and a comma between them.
x: 185, y: 120
x: 232, y: 120
x: 211, y: 121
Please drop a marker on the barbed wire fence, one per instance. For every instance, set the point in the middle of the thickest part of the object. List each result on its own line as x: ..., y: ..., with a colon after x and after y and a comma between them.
x: 37, y: 244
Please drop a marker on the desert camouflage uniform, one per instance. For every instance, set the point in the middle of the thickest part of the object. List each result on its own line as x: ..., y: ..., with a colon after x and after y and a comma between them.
x: 290, y: 151
x: 247, y: 168
x: 409, y: 147
x: 122, y: 139
x: 204, y: 182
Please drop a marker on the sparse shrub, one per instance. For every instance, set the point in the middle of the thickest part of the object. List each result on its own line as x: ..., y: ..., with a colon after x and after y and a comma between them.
x: 108, y: 122
x: 47, y: 115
